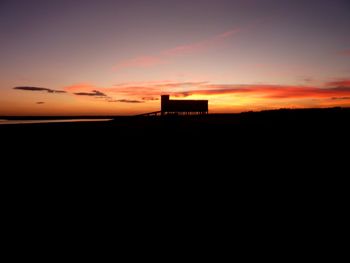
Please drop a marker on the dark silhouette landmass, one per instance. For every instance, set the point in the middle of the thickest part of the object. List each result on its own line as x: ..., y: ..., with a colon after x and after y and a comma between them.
x: 286, y: 143
x: 211, y: 127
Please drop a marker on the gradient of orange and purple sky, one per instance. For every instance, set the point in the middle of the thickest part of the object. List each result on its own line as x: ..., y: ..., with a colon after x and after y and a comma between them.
x: 73, y: 57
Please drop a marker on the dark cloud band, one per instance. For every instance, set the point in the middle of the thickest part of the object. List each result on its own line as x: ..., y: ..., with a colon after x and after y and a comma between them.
x: 29, y: 88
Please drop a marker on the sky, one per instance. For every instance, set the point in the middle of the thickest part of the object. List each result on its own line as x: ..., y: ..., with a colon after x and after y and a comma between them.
x: 116, y: 57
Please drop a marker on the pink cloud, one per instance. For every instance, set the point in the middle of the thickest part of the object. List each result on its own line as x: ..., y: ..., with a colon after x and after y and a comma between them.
x: 185, y: 49
x: 345, y: 52
x: 165, y: 56
x: 228, y: 34
x: 272, y: 91
x: 141, y: 62
x: 339, y: 89
x: 199, y: 46
x: 80, y: 87
x: 340, y: 83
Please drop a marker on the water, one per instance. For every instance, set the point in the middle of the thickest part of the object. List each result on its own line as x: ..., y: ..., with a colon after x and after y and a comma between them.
x: 2, y: 121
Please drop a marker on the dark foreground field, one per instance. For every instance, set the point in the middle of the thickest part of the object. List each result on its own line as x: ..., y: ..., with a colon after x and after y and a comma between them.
x: 280, y: 127
x: 288, y: 148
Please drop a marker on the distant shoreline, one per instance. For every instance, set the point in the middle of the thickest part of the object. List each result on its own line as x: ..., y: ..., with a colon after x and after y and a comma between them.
x: 12, y: 122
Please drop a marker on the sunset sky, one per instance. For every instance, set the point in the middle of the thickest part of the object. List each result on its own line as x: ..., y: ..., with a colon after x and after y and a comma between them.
x: 102, y: 57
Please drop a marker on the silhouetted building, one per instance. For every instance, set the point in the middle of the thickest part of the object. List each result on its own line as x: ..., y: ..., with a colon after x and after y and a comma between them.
x: 183, y: 107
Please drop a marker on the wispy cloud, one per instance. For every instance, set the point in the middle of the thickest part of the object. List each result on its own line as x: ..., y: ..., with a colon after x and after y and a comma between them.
x: 200, y: 46
x: 127, y: 101
x: 40, y: 102
x: 90, y: 90
x: 28, y: 88
x: 150, y: 91
x: 80, y: 87
x: 341, y: 98
x: 165, y: 56
x: 144, y: 89
x: 339, y: 83
x: 308, y: 79
x: 93, y: 93
x: 273, y: 91
x: 141, y: 62
x: 149, y: 98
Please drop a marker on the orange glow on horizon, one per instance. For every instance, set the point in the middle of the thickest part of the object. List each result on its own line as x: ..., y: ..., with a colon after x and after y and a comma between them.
x: 141, y: 97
